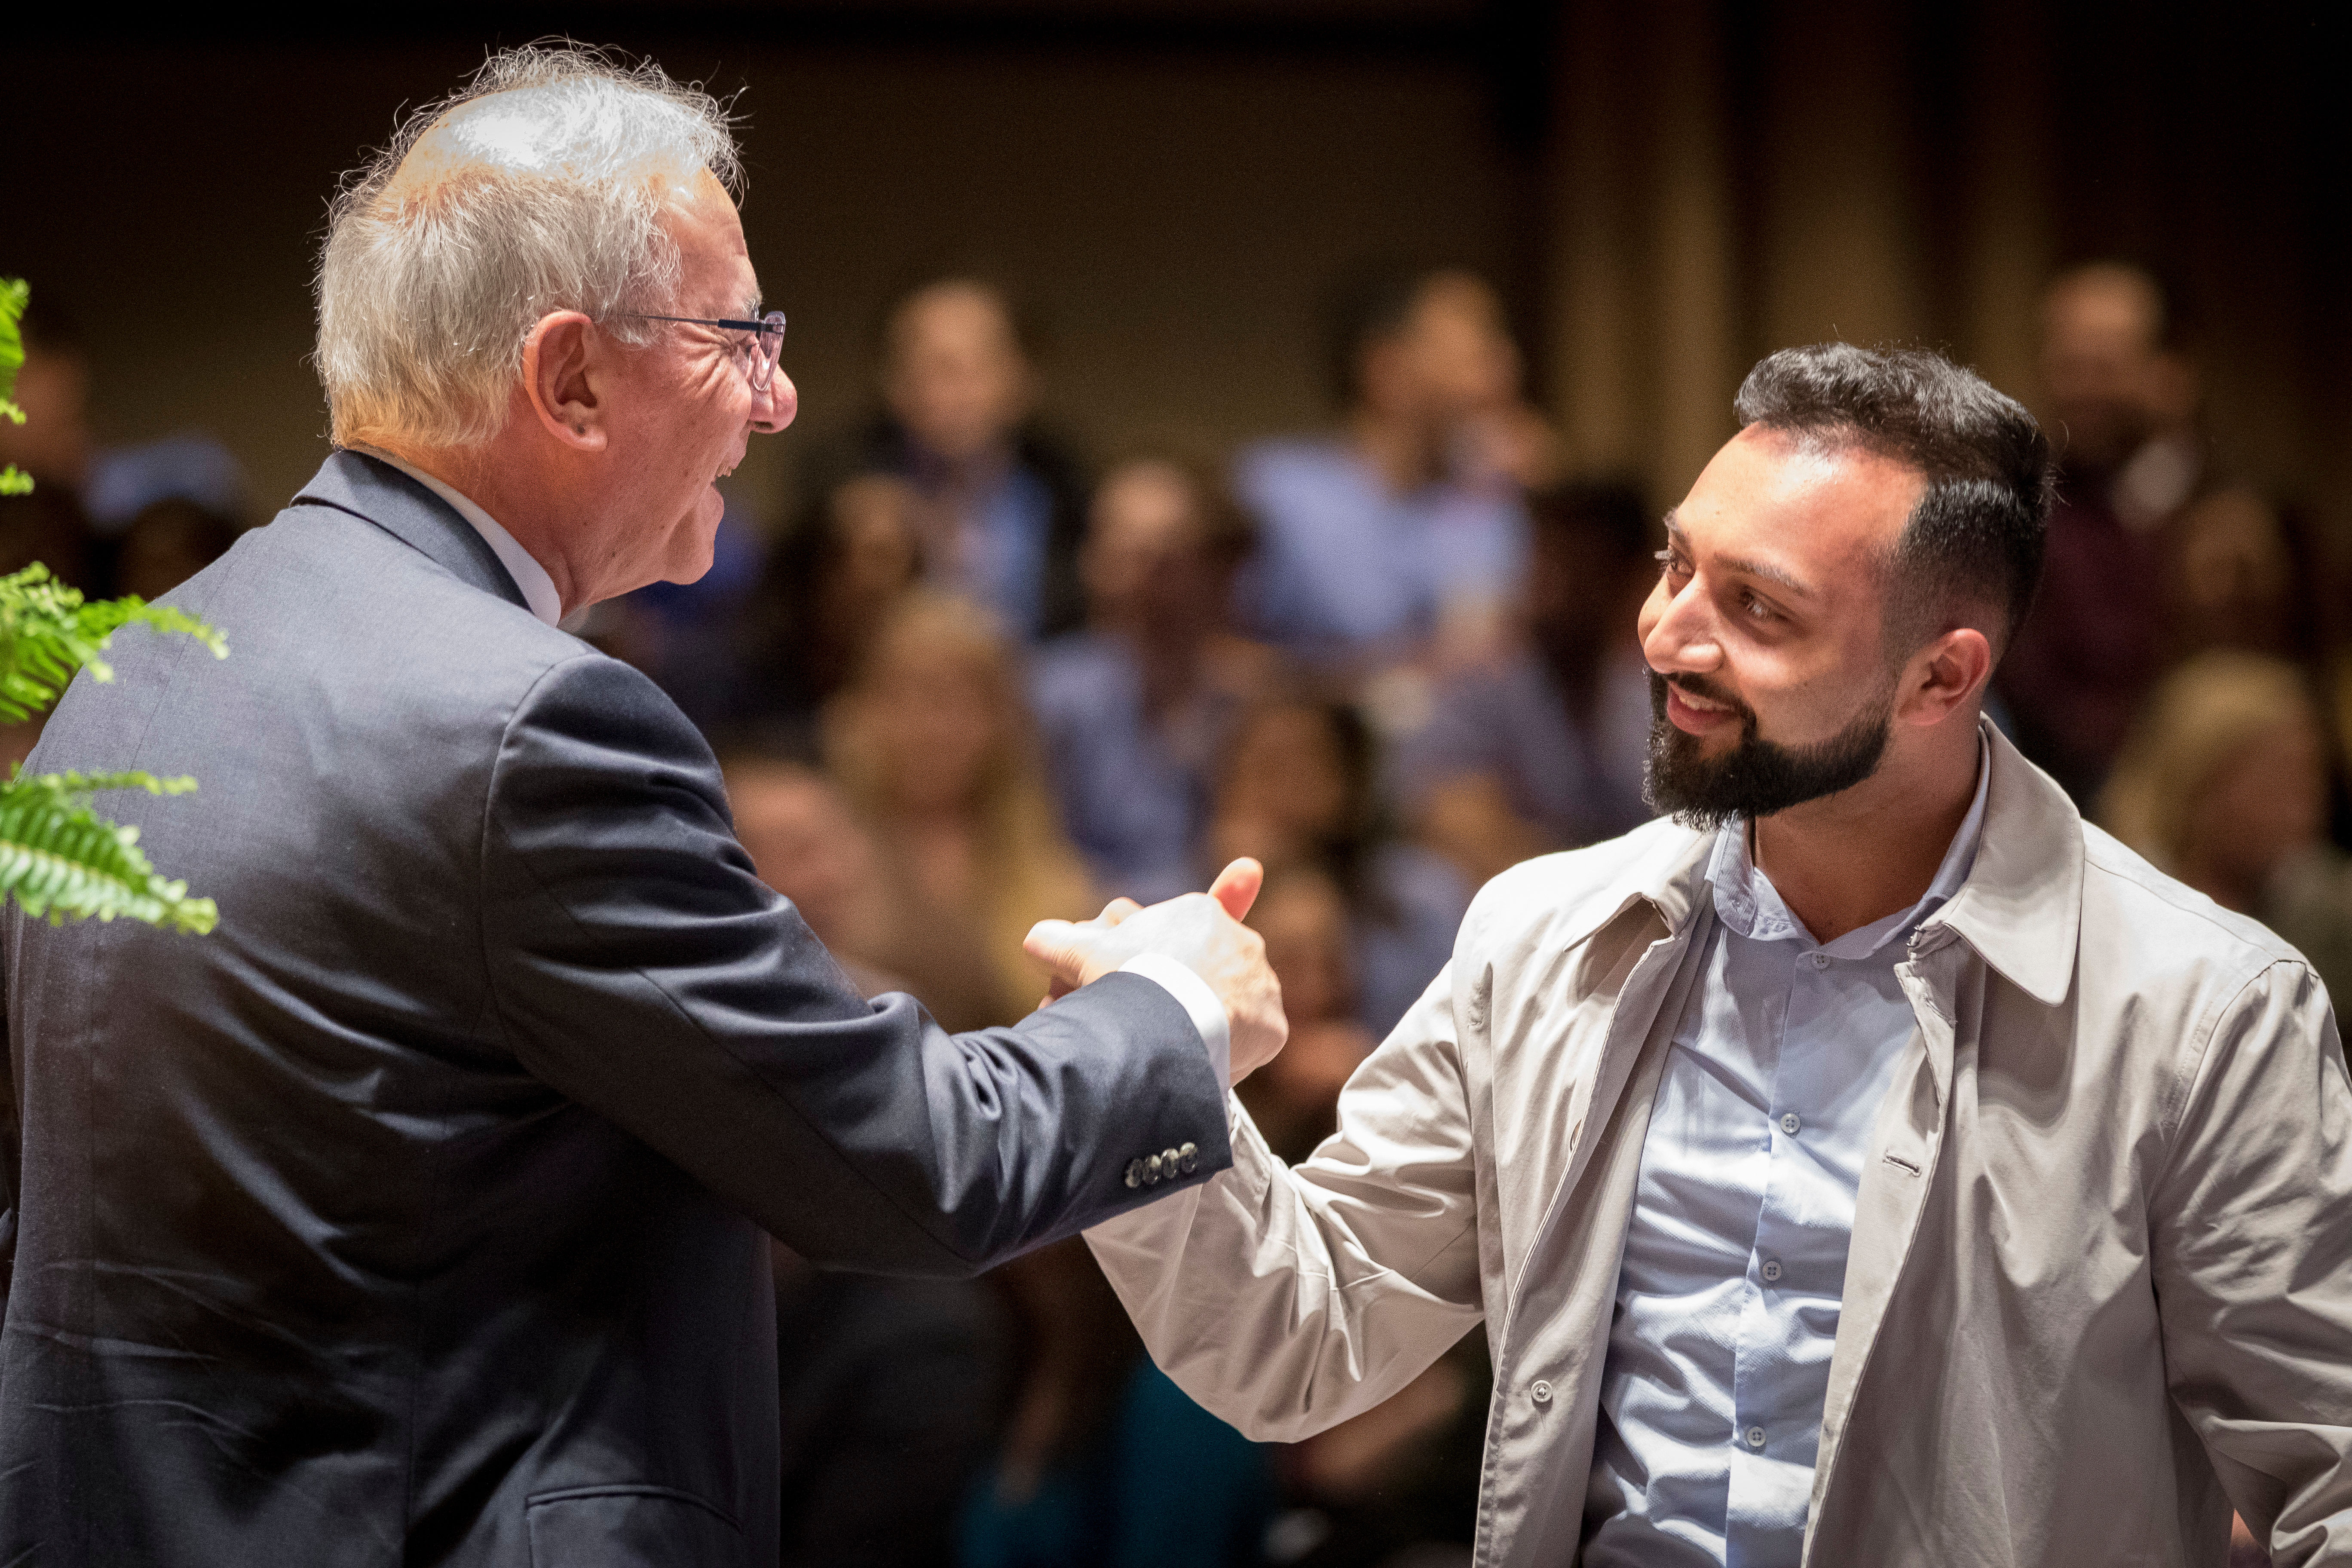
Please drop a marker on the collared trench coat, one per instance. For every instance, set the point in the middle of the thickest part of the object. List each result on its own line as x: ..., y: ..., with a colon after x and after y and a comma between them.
x: 2100, y: 1285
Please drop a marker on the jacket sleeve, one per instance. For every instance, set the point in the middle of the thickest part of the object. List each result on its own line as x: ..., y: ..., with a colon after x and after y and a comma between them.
x: 639, y: 968
x: 2252, y: 1250
x: 1286, y: 1300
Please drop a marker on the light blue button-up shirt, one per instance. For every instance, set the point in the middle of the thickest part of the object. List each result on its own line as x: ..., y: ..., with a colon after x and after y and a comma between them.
x: 1735, y: 1257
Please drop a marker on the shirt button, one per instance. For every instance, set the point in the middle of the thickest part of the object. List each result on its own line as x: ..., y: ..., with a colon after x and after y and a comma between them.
x: 1756, y: 1436
x: 1791, y: 1123
x: 1540, y: 1392
x: 1771, y: 1269
x: 1818, y: 960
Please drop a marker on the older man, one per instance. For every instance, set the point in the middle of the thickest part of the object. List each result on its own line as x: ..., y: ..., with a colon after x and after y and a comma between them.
x: 1874, y: 1165
x: 415, y: 1216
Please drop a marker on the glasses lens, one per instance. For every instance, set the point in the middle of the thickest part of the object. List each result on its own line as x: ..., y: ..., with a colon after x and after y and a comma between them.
x: 771, y: 346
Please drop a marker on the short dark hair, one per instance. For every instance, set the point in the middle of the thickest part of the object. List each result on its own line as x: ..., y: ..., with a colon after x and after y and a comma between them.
x: 1976, y: 535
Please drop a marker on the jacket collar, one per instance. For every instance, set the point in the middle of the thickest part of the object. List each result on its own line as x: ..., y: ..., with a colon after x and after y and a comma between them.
x: 380, y: 494
x: 2021, y: 908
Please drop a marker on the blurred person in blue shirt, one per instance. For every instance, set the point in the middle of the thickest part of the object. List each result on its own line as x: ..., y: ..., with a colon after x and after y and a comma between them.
x: 1002, y: 503
x: 1546, y: 750
x: 1300, y: 789
x: 1398, y: 537
x: 1133, y: 711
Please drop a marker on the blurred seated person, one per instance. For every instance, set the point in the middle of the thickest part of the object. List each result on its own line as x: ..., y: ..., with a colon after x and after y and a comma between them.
x: 807, y: 845
x: 685, y: 636
x: 1103, y: 1463
x: 1405, y: 1473
x: 1399, y: 537
x: 169, y: 541
x: 2121, y: 385
x: 930, y: 742
x: 54, y: 448
x: 1001, y: 506
x: 889, y: 1388
x: 831, y: 579
x: 87, y: 494
x: 1546, y: 751
x: 2224, y: 783
x: 1133, y: 711
x: 1295, y: 1098
x: 1299, y: 789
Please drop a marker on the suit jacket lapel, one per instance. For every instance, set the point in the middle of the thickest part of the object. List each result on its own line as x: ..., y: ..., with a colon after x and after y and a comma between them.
x: 382, y: 494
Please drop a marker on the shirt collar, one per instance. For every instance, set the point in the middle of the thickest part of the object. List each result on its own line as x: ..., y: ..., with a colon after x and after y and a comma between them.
x: 538, y: 587
x: 1746, y: 900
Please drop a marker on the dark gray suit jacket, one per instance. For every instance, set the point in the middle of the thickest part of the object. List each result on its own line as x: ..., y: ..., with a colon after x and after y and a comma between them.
x: 414, y: 1216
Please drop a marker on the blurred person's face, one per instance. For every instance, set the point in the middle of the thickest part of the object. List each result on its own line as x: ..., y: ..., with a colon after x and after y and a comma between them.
x: 1769, y: 673
x: 2268, y: 801
x: 1304, y: 924
x: 1146, y: 564
x: 956, y: 377
x: 2110, y: 386
x: 1289, y: 778
x: 53, y: 443
x: 937, y: 719
x: 804, y: 844
x: 1453, y: 357
x: 874, y: 528
x: 1579, y: 584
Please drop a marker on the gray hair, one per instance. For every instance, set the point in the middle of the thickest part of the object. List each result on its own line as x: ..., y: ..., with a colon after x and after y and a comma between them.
x: 427, y: 292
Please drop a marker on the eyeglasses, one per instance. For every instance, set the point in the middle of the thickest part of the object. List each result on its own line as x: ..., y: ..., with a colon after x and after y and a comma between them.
x: 767, y: 340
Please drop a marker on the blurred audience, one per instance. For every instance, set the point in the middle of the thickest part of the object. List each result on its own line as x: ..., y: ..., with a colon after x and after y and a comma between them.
x: 1103, y: 1463
x: 831, y: 580
x: 2122, y: 393
x: 2224, y: 783
x: 1546, y: 750
x: 88, y: 495
x: 806, y: 844
x: 1402, y: 1477
x: 1298, y: 788
x: 932, y: 745
x: 1295, y: 1099
x: 1134, y: 711
x: 1001, y: 505
x: 1399, y: 537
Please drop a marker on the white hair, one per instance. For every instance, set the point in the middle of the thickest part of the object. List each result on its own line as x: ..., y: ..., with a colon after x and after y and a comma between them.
x: 428, y: 287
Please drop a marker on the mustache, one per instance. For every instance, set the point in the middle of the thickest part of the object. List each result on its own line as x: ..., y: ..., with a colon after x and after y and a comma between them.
x: 1699, y: 686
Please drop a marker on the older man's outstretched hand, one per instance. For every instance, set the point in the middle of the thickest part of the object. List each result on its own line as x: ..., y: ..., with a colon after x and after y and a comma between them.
x: 1203, y: 931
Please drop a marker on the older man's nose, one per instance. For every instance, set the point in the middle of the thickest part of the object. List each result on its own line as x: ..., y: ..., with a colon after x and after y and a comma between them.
x: 777, y: 405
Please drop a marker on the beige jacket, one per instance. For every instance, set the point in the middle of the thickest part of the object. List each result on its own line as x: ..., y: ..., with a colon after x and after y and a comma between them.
x: 2100, y: 1287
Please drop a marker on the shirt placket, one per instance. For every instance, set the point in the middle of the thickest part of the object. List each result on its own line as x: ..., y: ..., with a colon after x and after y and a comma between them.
x: 1771, y: 1450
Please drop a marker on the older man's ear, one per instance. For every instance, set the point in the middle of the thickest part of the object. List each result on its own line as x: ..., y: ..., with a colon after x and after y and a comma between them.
x: 560, y: 360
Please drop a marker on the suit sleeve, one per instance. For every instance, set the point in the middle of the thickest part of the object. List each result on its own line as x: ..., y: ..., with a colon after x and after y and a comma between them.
x: 639, y: 968
x: 2251, y: 1249
x: 1286, y: 1300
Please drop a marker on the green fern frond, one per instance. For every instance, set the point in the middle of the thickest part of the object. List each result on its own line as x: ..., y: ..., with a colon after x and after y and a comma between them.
x: 47, y: 631
x: 61, y: 859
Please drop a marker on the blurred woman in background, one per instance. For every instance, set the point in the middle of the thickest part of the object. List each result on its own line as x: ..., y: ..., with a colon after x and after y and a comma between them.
x: 930, y: 742
x: 2224, y: 783
x: 831, y: 579
x: 1300, y: 790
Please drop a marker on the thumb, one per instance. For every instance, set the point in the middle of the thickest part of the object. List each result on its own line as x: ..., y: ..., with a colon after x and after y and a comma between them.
x: 1067, y: 950
x: 1236, y: 886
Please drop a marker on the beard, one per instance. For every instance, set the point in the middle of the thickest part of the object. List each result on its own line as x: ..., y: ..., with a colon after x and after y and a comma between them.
x: 1757, y: 777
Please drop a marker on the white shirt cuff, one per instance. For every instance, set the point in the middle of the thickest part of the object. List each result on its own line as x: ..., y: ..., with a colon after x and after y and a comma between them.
x: 1193, y: 994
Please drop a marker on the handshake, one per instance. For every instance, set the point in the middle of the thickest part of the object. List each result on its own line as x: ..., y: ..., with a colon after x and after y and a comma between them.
x: 1201, y: 930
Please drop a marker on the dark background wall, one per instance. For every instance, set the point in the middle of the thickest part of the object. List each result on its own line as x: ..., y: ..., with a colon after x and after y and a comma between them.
x: 1662, y: 191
